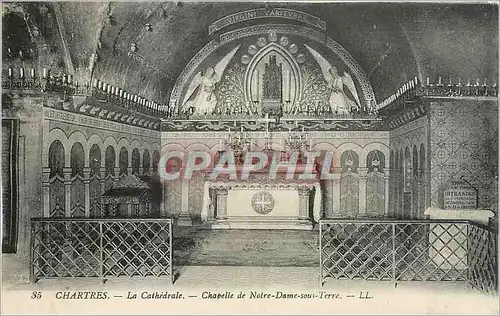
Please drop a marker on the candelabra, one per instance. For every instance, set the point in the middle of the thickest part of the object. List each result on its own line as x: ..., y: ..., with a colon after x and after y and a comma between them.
x: 297, y: 141
x: 238, y: 141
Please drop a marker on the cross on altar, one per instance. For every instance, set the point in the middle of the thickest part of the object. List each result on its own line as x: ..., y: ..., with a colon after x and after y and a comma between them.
x: 263, y: 203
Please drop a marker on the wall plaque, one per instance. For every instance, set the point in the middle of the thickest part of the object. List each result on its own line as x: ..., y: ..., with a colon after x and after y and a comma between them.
x: 460, y: 196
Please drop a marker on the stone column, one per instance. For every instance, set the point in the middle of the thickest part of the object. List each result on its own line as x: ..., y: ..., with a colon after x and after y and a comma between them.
x: 86, y: 183
x: 117, y: 173
x: 67, y: 191
x: 304, y: 195
x: 102, y: 179
x: 46, y: 192
x: 335, y: 183
x: 221, y: 194
x: 184, y: 216
x: 362, y: 173
x: 386, y: 191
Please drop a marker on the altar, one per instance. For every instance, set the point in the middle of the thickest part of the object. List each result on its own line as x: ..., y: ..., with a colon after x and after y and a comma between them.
x: 257, y: 206
x: 263, y: 201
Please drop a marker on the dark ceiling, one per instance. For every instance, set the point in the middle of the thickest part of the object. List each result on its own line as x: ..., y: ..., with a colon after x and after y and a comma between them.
x: 392, y: 42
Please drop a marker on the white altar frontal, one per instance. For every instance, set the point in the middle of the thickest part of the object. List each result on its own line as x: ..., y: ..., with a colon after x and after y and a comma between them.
x: 261, y: 203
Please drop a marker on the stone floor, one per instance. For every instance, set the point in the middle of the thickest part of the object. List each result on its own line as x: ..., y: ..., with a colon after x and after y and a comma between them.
x: 276, y: 248
x: 416, y: 297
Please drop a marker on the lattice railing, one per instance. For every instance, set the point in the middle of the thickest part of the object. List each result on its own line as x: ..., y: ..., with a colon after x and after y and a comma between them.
x: 101, y: 248
x: 408, y: 251
x: 483, y: 258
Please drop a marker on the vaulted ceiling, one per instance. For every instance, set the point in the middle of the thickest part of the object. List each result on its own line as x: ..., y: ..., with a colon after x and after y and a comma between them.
x: 391, y: 42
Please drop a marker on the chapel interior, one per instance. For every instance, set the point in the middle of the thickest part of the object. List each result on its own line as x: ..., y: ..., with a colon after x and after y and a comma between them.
x: 94, y: 94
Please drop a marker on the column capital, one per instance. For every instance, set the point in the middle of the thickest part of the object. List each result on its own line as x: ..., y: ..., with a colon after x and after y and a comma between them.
x: 86, y: 172
x: 304, y: 190
x: 102, y: 172
x: 67, y: 175
x: 221, y: 190
x: 362, y: 172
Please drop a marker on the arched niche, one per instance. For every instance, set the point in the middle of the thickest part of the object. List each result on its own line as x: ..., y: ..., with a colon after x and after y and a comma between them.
x: 56, y: 158
x: 375, y: 161
x: 211, y: 54
x: 146, y: 161
x: 77, y: 159
x: 291, y: 78
x: 123, y: 161
x: 136, y: 161
x: 94, y: 159
x: 109, y: 160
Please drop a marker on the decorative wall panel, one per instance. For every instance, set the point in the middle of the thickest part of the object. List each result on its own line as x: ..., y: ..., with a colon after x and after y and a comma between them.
x: 464, y: 143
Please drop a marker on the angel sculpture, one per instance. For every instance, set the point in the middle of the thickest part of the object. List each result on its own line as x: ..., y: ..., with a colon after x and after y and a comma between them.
x: 200, y: 93
x: 341, y: 101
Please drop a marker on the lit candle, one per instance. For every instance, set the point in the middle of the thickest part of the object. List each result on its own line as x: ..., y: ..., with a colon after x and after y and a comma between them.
x: 44, y: 73
x: 70, y: 79
x: 95, y: 83
x: 241, y: 129
x: 428, y: 82
x: 477, y: 82
x: 32, y: 73
x: 459, y: 81
x: 21, y: 73
x: 76, y: 83
x: 310, y: 142
x: 10, y: 72
x: 440, y: 81
x: 468, y: 82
